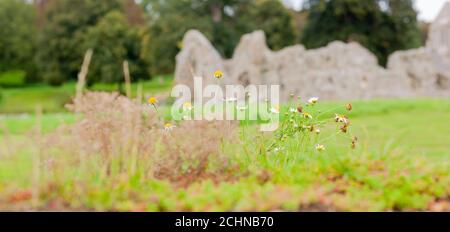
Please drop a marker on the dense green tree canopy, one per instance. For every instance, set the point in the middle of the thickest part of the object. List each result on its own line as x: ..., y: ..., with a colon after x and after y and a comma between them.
x: 383, y: 26
x: 222, y: 21
x: 167, y: 23
x: 406, y: 28
x: 61, y: 51
x: 276, y: 22
x: 16, y: 35
x: 113, y: 41
x: 150, y: 35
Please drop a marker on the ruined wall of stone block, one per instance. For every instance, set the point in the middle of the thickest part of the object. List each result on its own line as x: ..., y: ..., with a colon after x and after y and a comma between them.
x: 337, y: 71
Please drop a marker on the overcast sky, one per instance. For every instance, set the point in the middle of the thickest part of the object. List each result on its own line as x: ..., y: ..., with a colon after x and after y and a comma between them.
x: 428, y: 9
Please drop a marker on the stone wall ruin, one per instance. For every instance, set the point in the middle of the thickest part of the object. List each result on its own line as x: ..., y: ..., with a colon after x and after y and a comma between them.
x: 336, y: 72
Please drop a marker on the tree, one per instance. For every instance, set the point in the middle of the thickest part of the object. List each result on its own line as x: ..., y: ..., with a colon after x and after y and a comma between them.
x: 404, y: 18
x: 113, y: 41
x: 277, y: 23
x: 60, y: 52
x: 383, y: 26
x: 16, y: 40
x: 162, y: 41
x: 223, y: 22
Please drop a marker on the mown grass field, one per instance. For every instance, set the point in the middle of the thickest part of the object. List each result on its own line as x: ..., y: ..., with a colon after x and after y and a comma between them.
x: 401, y: 163
x: 16, y: 100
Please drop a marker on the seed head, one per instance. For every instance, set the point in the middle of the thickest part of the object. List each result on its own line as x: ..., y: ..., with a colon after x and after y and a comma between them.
x: 341, y: 118
x: 354, y: 140
x: 344, y: 128
x: 349, y: 107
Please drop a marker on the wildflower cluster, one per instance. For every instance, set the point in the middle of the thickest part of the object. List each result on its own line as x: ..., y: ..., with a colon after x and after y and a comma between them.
x: 153, y: 102
x: 301, y: 127
x: 140, y: 140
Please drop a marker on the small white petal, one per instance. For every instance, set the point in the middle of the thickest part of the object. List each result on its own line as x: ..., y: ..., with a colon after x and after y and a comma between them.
x: 313, y: 100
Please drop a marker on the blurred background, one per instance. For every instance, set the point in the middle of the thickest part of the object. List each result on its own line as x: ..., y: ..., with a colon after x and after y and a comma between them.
x: 42, y: 42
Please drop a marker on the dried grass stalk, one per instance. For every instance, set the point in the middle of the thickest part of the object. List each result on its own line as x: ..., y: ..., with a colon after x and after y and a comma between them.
x: 37, y: 157
x: 130, y: 138
x: 126, y: 73
x: 83, y: 73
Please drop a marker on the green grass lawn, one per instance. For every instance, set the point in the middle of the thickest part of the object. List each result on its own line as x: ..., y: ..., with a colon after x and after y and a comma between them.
x: 420, y: 126
x: 401, y: 163
x: 24, y: 99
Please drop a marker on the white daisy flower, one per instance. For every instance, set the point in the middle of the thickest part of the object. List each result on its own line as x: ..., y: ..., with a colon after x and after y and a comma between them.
x: 313, y: 100
x: 187, y: 106
x: 168, y: 126
x: 320, y: 147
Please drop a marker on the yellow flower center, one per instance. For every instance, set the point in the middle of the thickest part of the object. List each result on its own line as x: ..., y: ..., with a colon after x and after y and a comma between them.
x: 218, y: 74
x: 152, y: 100
x: 306, y: 115
x: 187, y: 105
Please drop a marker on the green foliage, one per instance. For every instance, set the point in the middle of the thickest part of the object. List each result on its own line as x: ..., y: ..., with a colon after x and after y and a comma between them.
x: 25, y: 99
x: 113, y: 41
x: 163, y: 39
x: 70, y: 27
x: 406, y: 27
x: 61, y: 42
x: 16, y: 35
x: 13, y: 78
x: 276, y: 22
x: 223, y: 22
x: 383, y: 26
x: 392, y: 168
